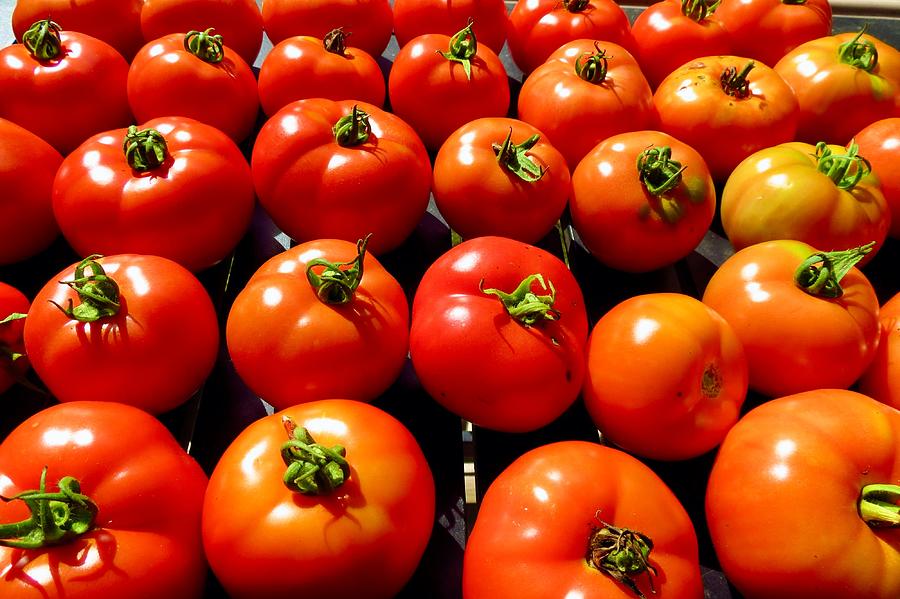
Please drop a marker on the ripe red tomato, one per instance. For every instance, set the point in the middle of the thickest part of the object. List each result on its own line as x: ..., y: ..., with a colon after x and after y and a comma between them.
x: 134, y: 329
x: 356, y: 527
x: 879, y: 143
x: 807, y: 319
x: 326, y: 169
x: 727, y: 108
x: 197, y: 76
x: 576, y: 519
x: 125, y: 500
x: 586, y: 92
x: 413, y: 18
x: 303, y: 67
x: 13, y: 362
x: 882, y: 379
x: 642, y: 200
x: 792, y: 489
x: 498, y: 334
x: 539, y: 27
x: 63, y: 86
x: 175, y: 188
x: 500, y: 176
x: 465, y: 82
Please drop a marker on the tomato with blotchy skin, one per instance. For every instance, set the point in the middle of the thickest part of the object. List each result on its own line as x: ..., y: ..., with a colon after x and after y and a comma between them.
x: 642, y: 200
x: 148, y: 339
x: 129, y: 522
x: 878, y: 143
x: 798, y: 496
x: 355, y: 529
x: 413, y: 18
x: 807, y: 319
x: 13, y: 362
x: 882, y: 379
x: 577, y: 519
x: 498, y: 334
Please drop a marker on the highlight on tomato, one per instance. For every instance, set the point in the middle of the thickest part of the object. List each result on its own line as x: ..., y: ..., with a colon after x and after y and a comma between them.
x: 413, y: 18
x: 14, y: 306
x: 881, y: 380
x: 878, y: 142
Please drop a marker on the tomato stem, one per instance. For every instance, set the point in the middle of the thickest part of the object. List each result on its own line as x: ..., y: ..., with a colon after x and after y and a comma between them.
x: 698, y: 10
x: 860, y: 54
x: 205, y: 46
x: 145, y: 149
x: 334, y: 41
x: 794, y: 2
x: 98, y: 293
x: 42, y: 40
x: 56, y: 518
x: 575, y: 6
x: 339, y: 280
x: 353, y: 129
x: 525, y: 306
x: 846, y: 170
x: 564, y: 241
x: 13, y: 316
x: 463, y: 47
x: 879, y: 505
x: 312, y: 468
x: 513, y: 157
x: 657, y: 171
x: 622, y: 554
x: 821, y: 273
x: 735, y: 83
x: 593, y: 67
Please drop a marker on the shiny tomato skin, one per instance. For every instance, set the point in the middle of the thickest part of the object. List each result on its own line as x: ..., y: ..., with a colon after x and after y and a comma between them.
x: 413, y: 18
x: 878, y: 143
x: 794, y: 341
x: 364, y: 541
x: 882, y: 379
x: 624, y: 225
x: 153, y: 354
x: 480, y: 363
x: 12, y: 301
x: 479, y: 196
x: 782, y: 497
x: 146, y: 541
x: 534, y: 522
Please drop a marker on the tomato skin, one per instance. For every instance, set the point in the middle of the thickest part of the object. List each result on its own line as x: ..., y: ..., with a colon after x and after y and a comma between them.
x: 782, y: 498
x: 531, y: 535
x: 882, y: 379
x: 577, y: 114
x: 363, y: 541
x: 478, y: 362
x: 878, y: 143
x: 165, y: 335
x: 794, y: 341
x: 624, y: 225
x: 479, y: 196
x: 413, y: 18
x: 12, y: 301
x: 167, y: 80
x: 146, y: 543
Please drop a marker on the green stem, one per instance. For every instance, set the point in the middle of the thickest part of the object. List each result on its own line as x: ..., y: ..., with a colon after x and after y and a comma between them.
x: 12, y: 317
x: 879, y: 505
x: 575, y: 6
x: 334, y: 41
x: 860, y: 54
x: 463, y: 47
x: 735, y: 83
x: 455, y: 238
x: 593, y: 67
x: 337, y: 282
x: 312, y: 468
x: 698, y: 10
x: 821, y: 273
x: 622, y: 554
x: 353, y: 129
x: 42, y: 40
x: 657, y: 171
x: 564, y: 241
x: 145, y: 149
x: 205, y: 46
x: 523, y: 305
x: 513, y: 157
x: 846, y: 170
x: 98, y: 293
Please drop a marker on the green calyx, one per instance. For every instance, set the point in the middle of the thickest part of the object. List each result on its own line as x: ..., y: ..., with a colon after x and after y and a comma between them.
x: 860, y: 54
x: 513, y: 157
x: 698, y: 10
x: 335, y: 41
x: 312, y: 468
x: 98, y: 293
x: 879, y: 505
x: 621, y: 554
x: 575, y: 6
x: 735, y: 83
x: 42, y: 40
x: 657, y: 171
x: 56, y: 518
x: 205, y: 46
x: 525, y: 306
x: 6, y: 352
x: 593, y: 67
x: 145, y: 149
x: 463, y: 47
x: 821, y: 273
x: 337, y: 281
x: 353, y: 129
x: 846, y: 170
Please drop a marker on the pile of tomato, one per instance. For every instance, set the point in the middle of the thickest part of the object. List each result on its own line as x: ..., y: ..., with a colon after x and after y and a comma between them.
x: 500, y: 249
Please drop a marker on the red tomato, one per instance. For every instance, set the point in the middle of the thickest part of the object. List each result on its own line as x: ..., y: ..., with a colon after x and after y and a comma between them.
x: 129, y: 511
x: 413, y: 18
x: 139, y: 330
x: 498, y: 334
x: 766, y: 30
x: 576, y: 519
x: 303, y: 67
x: 879, y: 144
x: 28, y: 165
x: 807, y: 320
x: 69, y: 87
x: 196, y: 76
x: 465, y: 82
x: 586, y: 92
x: 178, y: 188
x: 698, y: 384
x: 327, y: 169
x: 356, y: 530
x: 642, y: 200
x: 789, y: 497
x: 882, y: 379
x: 726, y: 108
x: 499, y: 176
x: 539, y: 27
x: 321, y: 320
x: 13, y: 362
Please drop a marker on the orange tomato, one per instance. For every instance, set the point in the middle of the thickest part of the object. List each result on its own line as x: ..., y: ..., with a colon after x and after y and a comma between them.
x: 882, y: 379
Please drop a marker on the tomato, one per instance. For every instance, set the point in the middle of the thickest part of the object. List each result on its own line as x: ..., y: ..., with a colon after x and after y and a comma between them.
x: 134, y: 329
x: 878, y: 142
x: 323, y: 319
x: 69, y: 87
x: 882, y: 379
x: 843, y: 83
x: 238, y: 21
x: 465, y: 82
x: 789, y: 497
x: 306, y: 67
x: 584, y: 93
x: 558, y: 519
x: 726, y: 108
x: 642, y: 200
x: 176, y: 188
x: 539, y: 27
x: 413, y: 18
x: 128, y: 515
x: 325, y: 169
x: 13, y: 362
x: 369, y: 21
x: 355, y: 529
x: 28, y: 165
x: 807, y: 319
x: 499, y: 176
x: 823, y: 195
x: 766, y: 30
x: 498, y: 334
x: 672, y: 32
x: 194, y: 75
